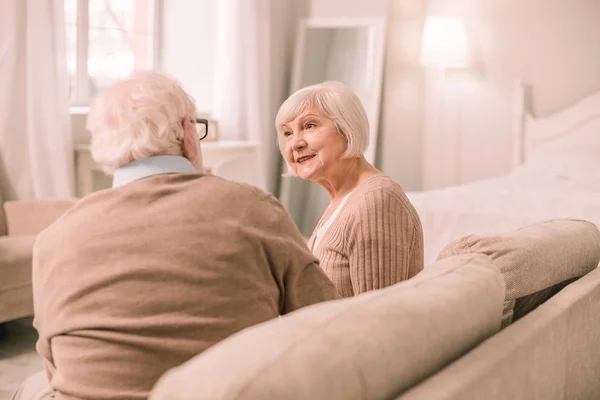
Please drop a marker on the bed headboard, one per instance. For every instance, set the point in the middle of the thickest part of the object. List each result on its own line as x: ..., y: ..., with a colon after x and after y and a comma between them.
x: 578, y: 124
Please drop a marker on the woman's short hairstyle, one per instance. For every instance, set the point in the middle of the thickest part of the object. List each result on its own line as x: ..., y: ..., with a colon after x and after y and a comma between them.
x: 139, y: 117
x: 335, y: 101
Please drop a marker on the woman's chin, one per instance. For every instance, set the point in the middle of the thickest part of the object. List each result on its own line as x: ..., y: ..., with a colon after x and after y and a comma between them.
x: 307, y: 174
x: 308, y: 170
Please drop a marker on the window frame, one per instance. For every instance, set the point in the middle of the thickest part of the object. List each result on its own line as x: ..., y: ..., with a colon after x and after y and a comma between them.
x: 80, y: 96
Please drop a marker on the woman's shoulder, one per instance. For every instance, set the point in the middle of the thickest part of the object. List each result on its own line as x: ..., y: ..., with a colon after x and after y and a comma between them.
x: 380, y: 186
x: 381, y: 193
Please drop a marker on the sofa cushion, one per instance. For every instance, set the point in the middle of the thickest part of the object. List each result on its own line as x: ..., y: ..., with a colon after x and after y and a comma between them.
x: 15, y: 276
x: 15, y: 260
x: 31, y: 217
x: 371, y: 346
x: 35, y: 387
x: 552, y: 353
x: 536, y: 258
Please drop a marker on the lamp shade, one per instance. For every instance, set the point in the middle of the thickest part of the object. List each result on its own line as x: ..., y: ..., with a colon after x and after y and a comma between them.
x: 444, y: 43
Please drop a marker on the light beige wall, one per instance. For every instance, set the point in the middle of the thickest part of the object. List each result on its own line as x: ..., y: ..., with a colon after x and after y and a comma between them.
x: 563, y: 44
x: 550, y: 44
x: 399, y: 152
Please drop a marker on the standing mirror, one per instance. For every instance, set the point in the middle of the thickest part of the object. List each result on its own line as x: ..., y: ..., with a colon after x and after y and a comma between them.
x: 349, y: 50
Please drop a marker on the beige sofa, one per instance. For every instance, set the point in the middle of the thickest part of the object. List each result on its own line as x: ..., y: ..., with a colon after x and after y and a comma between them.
x: 470, y: 326
x: 20, y: 221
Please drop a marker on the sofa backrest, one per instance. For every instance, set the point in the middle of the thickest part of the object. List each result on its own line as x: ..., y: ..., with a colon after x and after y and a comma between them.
x: 372, y: 346
x: 552, y: 353
x: 29, y: 217
x: 536, y: 259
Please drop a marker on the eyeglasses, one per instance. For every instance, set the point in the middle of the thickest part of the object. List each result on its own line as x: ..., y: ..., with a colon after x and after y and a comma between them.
x: 204, y: 122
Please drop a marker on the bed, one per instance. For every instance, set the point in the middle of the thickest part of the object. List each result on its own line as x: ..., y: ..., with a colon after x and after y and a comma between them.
x: 556, y: 173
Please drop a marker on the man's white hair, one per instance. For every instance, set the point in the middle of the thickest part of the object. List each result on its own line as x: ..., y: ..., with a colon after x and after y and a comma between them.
x: 335, y: 101
x: 139, y: 117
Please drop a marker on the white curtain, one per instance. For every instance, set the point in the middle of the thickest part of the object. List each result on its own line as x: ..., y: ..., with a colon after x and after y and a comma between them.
x: 254, y: 43
x: 36, y: 155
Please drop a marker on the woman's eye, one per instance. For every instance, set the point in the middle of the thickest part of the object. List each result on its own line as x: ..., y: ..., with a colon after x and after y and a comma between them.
x: 310, y: 125
x: 286, y: 134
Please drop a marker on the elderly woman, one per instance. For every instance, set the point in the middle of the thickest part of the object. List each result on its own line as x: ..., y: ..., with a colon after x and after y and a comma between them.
x: 370, y: 236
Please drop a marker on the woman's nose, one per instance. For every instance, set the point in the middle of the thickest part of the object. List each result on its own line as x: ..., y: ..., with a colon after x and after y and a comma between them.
x: 298, y: 143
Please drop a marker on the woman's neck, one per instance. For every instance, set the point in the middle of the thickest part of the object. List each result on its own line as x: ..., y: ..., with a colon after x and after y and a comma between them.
x: 347, y: 177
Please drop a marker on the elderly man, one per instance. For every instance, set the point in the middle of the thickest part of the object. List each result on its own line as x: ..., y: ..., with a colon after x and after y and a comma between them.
x: 141, y: 277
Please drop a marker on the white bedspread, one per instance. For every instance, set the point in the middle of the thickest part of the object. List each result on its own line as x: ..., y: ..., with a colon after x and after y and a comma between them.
x: 535, y: 192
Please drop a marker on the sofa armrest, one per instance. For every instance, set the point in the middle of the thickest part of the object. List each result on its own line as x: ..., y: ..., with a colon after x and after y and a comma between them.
x: 30, y: 217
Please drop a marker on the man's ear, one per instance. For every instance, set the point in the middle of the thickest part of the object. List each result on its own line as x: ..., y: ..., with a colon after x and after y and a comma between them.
x: 190, y: 140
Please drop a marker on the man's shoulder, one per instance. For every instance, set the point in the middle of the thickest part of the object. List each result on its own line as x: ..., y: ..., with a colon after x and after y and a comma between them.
x: 225, y: 197
x: 240, y: 192
x: 161, y: 194
x: 182, y: 187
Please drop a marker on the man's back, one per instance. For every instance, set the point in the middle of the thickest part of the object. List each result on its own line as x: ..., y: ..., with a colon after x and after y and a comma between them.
x: 135, y: 280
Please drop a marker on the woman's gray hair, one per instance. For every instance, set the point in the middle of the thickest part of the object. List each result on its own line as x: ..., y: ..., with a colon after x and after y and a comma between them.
x: 335, y: 101
x: 139, y: 117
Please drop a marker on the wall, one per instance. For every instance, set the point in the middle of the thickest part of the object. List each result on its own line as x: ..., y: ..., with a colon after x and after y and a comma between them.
x: 550, y: 44
x: 400, y: 143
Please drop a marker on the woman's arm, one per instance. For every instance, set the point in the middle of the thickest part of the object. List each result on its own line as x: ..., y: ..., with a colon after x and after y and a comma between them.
x: 385, y: 242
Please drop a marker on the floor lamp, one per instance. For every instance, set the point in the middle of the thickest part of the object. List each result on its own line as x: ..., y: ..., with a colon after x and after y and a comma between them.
x: 444, y: 47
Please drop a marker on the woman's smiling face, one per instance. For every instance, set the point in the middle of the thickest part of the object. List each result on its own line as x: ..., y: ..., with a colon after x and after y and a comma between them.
x: 312, y: 144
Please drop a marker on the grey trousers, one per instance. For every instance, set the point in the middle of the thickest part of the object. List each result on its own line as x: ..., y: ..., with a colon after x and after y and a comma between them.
x: 36, y: 387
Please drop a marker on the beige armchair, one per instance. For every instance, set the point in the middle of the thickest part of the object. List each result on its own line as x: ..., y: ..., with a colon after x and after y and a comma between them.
x: 20, y: 221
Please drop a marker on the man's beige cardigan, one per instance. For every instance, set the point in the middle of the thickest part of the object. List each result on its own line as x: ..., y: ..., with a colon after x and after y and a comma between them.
x: 138, y: 279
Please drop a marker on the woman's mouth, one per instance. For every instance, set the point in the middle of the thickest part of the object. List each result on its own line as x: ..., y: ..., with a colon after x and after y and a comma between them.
x: 305, y: 159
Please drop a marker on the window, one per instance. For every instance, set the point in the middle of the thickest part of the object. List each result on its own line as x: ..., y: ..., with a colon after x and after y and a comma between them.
x: 188, y: 46
x: 106, y: 41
